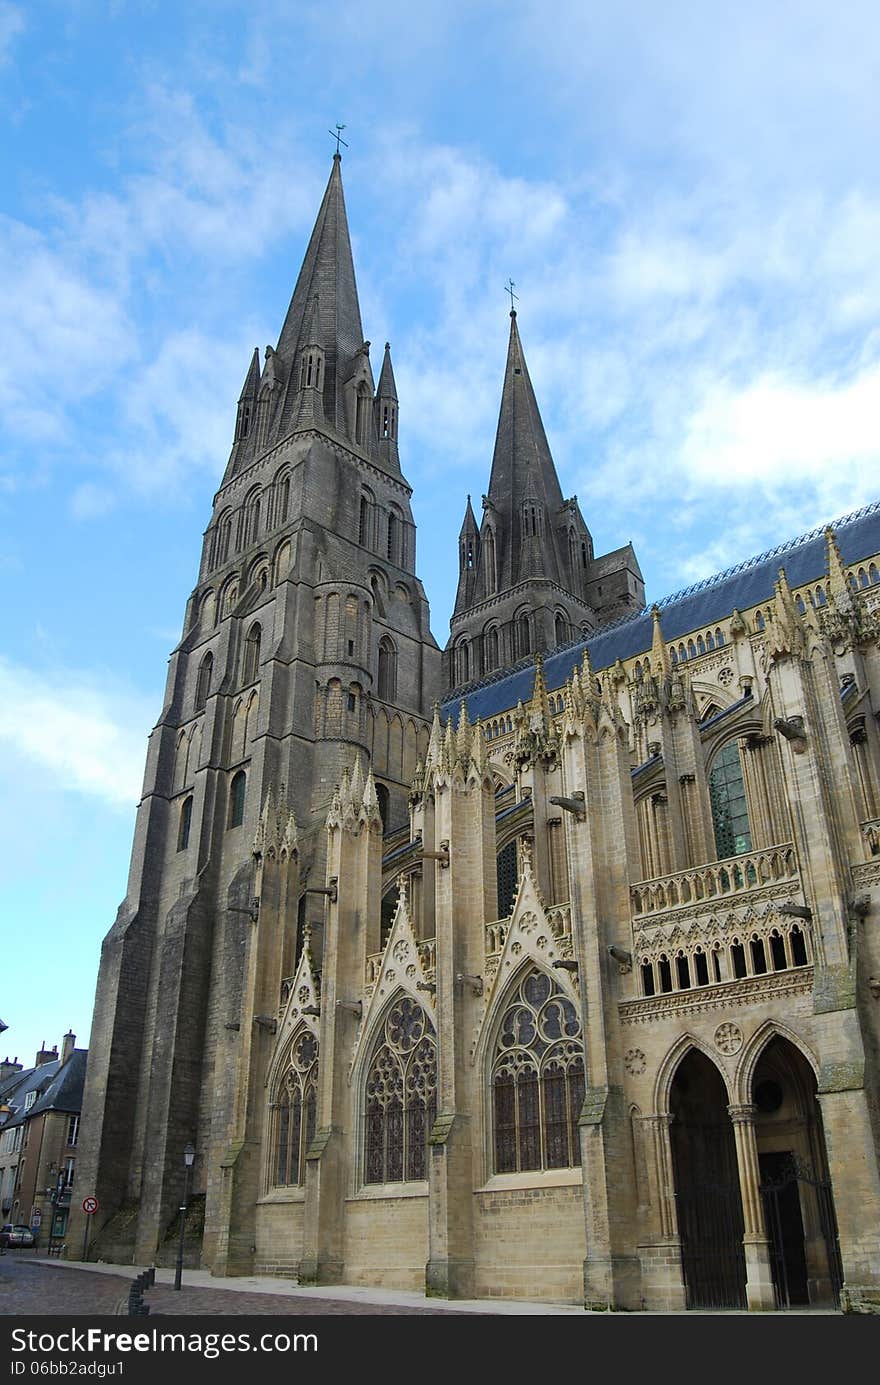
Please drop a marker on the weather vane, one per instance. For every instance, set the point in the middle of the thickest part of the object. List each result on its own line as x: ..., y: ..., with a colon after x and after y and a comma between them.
x: 337, y: 135
x: 508, y: 288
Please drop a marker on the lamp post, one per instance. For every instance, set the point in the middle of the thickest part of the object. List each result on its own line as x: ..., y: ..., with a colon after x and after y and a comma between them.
x: 189, y: 1155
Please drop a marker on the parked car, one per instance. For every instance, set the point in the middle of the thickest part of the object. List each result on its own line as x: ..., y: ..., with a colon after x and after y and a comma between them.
x: 15, y: 1235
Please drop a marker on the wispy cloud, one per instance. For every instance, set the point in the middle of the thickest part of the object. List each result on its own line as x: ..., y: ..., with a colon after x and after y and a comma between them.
x: 90, y: 735
x: 11, y: 25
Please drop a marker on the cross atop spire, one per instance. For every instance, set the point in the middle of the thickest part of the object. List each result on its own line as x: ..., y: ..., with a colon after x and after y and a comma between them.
x: 339, y: 140
x: 508, y: 288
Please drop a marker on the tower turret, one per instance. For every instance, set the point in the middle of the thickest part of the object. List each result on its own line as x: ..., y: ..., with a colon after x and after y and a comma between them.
x: 386, y: 407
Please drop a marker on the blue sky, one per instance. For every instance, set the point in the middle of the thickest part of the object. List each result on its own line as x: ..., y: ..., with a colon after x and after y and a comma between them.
x: 687, y: 196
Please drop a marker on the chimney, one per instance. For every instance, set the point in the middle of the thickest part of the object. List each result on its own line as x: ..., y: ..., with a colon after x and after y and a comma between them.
x: 67, y: 1046
x: 46, y: 1055
x: 8, y: 1067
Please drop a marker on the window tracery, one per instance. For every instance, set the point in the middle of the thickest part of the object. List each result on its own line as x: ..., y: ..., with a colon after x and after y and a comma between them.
x: 401, y: 1096
x: 296, y: 1104
x: 537, y: 1079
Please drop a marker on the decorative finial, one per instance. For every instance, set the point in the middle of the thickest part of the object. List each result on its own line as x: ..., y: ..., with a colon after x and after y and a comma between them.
x: 508, y: 288
x: 337, y: 135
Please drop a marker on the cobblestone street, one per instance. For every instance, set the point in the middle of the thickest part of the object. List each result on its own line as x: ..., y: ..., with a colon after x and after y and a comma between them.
x: 28, y: 1286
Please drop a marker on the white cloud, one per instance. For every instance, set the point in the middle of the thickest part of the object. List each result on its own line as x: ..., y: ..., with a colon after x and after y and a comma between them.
x: 91, y: 735
x: 776, y: 432
x: 91, y: 502
x: 64, y: 335
x: 179, y: 411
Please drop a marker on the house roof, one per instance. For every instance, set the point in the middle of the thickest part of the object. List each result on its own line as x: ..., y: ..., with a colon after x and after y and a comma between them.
x: 60, y: 1087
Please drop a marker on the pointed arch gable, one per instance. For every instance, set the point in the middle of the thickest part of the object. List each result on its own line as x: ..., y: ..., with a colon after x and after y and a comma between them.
x: 303, y: 992
x: 752, y: 1050
x: 529, y: 941
x: 670, y: 1064
x: 400, y: 970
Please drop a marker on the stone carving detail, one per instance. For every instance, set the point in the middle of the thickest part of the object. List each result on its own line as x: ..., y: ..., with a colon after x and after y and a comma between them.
x: 634, y: 1061
x: 728, y: 1038
x: 725, y: 676
x: 753, y: 990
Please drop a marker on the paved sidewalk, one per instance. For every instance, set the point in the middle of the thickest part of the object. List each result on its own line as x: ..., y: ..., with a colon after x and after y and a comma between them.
x: 203, y: 1293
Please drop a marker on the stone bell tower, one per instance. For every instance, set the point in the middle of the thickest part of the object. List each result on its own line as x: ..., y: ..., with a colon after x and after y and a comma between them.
x: 306, y: 649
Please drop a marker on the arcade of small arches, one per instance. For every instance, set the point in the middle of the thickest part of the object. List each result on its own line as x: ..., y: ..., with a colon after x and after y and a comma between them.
x: 263, y: 573
x: 263, y: 510
x: 504, y: 642
x: 384, y: 530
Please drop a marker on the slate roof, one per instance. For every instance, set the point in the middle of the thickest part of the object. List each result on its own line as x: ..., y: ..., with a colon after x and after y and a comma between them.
x: 61, y: 1084
x: 694, y: 609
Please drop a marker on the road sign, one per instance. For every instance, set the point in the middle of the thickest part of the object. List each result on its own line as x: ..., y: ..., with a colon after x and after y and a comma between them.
x: 90, y: 1205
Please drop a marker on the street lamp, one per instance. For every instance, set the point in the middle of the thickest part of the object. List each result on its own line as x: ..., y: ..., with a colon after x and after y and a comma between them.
x: 189, y: 1155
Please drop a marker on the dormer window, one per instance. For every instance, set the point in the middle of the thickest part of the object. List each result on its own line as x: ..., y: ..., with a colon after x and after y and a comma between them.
x: 310, y: 369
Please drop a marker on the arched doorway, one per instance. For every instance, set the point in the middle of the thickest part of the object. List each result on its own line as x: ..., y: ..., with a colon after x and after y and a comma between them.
x: 710, y: 1219
x: 795, y: 1186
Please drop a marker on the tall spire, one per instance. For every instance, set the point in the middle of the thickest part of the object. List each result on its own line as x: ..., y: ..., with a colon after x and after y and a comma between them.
x: 523, y: 487
x: 328, y: 272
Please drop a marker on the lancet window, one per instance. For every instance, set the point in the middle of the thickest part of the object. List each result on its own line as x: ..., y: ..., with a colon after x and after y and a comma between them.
x: 203, y: 682
x: 295, y: 1106
x: 401, y: 1096
x: 730, y: 815
x: 537, y: 1079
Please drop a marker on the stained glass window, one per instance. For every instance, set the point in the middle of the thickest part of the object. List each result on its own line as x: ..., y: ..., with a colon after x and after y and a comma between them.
x: 730, y: 815
x: 401, y: 1096
x: 295, y: 1111
x: 537, y: 1079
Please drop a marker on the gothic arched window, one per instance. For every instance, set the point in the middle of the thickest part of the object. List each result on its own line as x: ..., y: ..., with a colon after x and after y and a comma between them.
x: 283, y: 500
x: 363, y: 412
x: 391, y: 548
x: 237, y: 790
x: 203, y: 683
x: 489, y: 569
x: 186, y: 812
x: 462, y: 671
x: 252, y: 655
x: 401, y: 1096
x: 537, y: 1079
x: 523, y: 635
x: 295, y: 1105
x: 387, y: 680
x: 727, y: 795
x: 490, y: 648
x: 561, y: 632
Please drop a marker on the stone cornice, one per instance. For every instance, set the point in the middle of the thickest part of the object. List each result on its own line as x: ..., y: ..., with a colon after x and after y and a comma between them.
x: 867, y: 872
x: 345, y: 449
x: 530, y: 584
x: 751, y: 990
x: 728, y: 910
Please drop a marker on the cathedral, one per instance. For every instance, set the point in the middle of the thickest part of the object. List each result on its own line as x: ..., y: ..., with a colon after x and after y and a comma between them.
x: 544, y: 966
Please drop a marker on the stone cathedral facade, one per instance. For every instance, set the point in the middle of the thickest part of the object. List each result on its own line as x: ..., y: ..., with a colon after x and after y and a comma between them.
x: 546, y: 967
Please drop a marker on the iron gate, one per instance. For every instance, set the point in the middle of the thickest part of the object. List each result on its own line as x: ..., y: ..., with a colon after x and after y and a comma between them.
x: 783, y: 1176
x: 713, y: 1260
